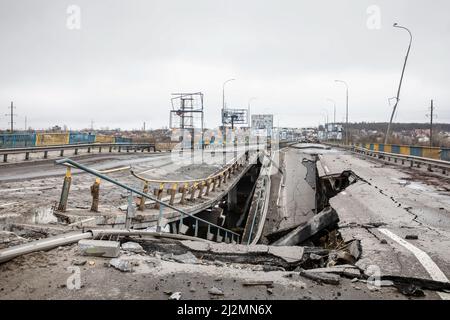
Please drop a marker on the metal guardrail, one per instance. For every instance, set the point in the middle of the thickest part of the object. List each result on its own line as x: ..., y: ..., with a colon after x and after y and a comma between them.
x: 413, y: 160
x: 234, y: 236
x: 76, y: 147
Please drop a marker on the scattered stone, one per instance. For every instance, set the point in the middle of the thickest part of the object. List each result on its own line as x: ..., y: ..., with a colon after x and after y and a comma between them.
x: 192, y: 290
x: 269, y: 290
x: 218, y: 279
x: 91, y: 262
x: 187, y: 257
x: 122, y: 265
x: 383, y: 241
x: 268, y: 268
x: 216, y: 291
x: 99, y: 248
x: 412, y: 237
x: 314, y: 257
x: 175, y: 296
x: 132, y: 247
x: 78, y: 262
x: 355, y: 249
x: 219, y: 263
x: 258, y: 283
x: 321, y: 277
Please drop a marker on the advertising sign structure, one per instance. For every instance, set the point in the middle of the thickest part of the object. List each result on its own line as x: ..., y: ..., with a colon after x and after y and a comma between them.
x: 234, y: 116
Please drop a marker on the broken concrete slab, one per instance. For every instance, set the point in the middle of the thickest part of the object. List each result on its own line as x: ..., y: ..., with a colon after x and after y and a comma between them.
x: 325, y: 219
x: 132, y: 247
x: 187, y: 257
x: 196, y: 245
x: 122, y: 265
x: 99, y: 248
x: 355, y: 249
x: 227, y: 248
x: 289, y: 254
x: 258, y: 248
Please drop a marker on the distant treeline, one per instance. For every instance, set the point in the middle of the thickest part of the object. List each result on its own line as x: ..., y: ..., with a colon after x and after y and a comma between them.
x: 381, y: 126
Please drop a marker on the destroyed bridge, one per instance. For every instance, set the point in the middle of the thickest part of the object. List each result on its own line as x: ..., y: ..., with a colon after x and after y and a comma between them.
x: 302, y: 220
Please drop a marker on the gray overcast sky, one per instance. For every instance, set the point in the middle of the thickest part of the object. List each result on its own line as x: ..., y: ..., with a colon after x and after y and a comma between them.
x: 127, y: 58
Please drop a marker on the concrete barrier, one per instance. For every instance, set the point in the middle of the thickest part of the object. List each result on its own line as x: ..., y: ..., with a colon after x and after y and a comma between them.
x: 417, y: 151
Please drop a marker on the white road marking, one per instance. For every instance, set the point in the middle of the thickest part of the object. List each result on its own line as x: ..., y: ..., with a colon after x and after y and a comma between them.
x: 429, y: 265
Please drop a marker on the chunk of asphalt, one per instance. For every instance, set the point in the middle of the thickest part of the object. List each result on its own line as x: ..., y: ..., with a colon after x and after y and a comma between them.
x: 132, y: 247
x: 216, y: 291
x: 122, y: 265
x: 187, y: 257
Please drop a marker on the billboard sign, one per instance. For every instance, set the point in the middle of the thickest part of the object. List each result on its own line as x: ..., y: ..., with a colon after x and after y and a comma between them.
x: 262, y: 121
x: 236, y: 116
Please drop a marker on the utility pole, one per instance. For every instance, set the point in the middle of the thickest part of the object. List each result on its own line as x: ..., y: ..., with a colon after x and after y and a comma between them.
x: 25, y: 123
x: 397, y: 99
x: 11, y: 115
x: 346, y: 112
x: 431, y: 123
x: 144, y: 126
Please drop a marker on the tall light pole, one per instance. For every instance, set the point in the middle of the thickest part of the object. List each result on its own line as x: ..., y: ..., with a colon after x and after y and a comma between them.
x: 248, y: 112
x: 326, y: 123
x: 223, y: 96
x: 334, y: 115
x: 397, y: 99
x: 346, y: 112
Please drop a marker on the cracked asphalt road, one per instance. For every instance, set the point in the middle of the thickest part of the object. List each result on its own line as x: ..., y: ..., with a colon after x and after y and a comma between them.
x: 407, y: 202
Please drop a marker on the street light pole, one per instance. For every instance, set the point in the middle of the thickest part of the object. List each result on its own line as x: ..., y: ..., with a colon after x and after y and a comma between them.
x: 223, y: 95
x: 326, y: 123
x: 248, y: 112
x: 346, y: 112
x: 397, y: 99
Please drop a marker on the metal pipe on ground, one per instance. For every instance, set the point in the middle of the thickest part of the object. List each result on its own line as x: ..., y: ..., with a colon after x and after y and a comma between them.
x: 42, y: 245
x: 131, y: 232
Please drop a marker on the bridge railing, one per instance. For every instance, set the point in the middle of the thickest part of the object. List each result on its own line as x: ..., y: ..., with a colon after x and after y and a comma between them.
x: 413, y: 161
x: 228, y: 235
x: 191, y: 189
x: 76, y: 147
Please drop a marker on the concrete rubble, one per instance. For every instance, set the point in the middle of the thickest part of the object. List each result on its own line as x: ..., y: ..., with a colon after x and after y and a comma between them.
x: 122, y: 265
x: 132, y: 247
x: 99, y: 248
x: 288, y: 254
x: 328, y: 218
